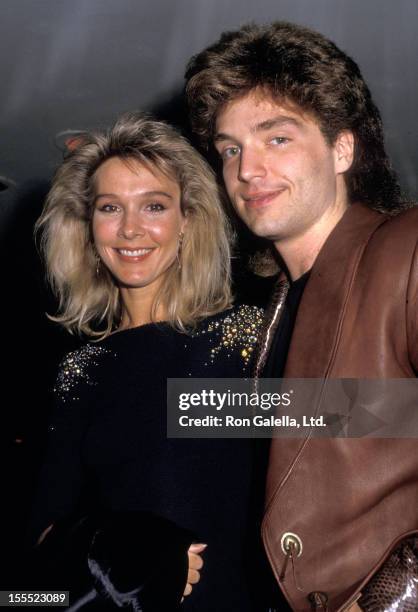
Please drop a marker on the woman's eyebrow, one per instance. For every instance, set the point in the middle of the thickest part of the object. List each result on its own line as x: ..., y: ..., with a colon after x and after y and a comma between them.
x: 151, y: 193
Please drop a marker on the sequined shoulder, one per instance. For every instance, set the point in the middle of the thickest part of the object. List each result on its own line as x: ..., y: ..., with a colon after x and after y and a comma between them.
x: 76, y: 369
x: 234, y: 331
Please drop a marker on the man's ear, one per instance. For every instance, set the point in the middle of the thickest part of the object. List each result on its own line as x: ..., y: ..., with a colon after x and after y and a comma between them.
x: 344, y: 151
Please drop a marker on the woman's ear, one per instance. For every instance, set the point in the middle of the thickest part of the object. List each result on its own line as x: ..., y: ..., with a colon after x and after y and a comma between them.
x: 184, y: 221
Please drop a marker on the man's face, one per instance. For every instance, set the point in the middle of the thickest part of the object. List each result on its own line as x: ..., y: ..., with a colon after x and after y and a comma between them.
x: 281, y: 175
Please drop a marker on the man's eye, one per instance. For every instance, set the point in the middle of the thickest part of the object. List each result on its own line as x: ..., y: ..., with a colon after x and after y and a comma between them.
x: 229, y: 152
x: 279, y: 140
x: 155, y: 207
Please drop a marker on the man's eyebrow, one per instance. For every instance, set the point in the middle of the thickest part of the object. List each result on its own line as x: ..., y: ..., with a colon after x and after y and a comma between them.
x: 220, y: 136
x: 263, y: 126
x: 144, y: 194
x: 276, y: 122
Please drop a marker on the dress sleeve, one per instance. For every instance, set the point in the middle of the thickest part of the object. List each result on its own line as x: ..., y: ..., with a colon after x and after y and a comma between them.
x: 61, y: 477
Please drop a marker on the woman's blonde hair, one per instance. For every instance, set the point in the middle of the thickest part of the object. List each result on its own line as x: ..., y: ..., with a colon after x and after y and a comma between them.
x: 89, y: 301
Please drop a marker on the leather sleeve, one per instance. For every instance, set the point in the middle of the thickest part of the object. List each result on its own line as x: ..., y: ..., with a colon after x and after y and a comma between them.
x: 395, y: 584
x: 412, y: 311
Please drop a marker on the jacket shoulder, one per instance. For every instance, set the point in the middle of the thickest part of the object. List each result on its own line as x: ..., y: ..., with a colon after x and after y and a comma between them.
x: 397, y: 236
x: 405, y: 222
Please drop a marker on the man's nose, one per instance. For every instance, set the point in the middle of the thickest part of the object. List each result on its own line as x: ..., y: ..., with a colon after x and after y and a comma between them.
x: 131, y: 225
x: 251, y: 165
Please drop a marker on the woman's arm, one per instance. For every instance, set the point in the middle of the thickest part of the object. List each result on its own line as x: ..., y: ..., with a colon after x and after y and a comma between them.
x: 61, y: 477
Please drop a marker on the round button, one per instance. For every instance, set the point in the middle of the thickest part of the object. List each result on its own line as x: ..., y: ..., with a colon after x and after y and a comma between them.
x: 291, y: 542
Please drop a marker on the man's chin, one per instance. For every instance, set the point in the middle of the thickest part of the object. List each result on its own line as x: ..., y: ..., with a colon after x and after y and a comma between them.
x: 266, y: 231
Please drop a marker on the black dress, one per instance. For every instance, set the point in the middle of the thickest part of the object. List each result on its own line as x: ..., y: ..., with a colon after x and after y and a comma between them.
x: 108, y: 438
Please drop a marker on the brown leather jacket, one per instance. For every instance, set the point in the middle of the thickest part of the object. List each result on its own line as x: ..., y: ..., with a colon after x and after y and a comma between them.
x: 348, y: 500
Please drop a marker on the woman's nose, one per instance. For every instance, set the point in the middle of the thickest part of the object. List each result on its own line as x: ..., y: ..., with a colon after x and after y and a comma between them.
x: 131, y: 226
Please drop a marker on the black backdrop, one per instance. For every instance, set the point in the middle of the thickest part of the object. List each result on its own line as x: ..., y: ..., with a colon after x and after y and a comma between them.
x: 73, y: 65
x: 78, y: 64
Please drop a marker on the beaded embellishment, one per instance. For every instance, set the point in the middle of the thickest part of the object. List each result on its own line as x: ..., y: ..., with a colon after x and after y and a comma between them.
x: 74, y: 368
x: 237, y: 331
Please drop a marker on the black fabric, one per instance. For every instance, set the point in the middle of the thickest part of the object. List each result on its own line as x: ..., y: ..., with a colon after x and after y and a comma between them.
x: 142, y: 560
x: 276, y: 360
x: 108, y: 439
x: 135, y: 560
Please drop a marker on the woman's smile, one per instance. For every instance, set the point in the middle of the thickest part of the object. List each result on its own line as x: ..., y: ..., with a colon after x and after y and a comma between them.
x: 137, y: 222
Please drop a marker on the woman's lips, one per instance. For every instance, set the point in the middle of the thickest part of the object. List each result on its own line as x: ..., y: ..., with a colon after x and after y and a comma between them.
x: 261, y: 199
x: 133, y: 255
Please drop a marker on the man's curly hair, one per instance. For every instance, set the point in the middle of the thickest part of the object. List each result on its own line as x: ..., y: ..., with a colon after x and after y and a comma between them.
x: 297, y: 65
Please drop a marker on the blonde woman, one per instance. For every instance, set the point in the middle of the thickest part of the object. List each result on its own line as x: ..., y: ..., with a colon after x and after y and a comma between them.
x: 137, y: 250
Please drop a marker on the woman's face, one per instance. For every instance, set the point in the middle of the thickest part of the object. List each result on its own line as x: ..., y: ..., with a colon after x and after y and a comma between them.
x: 136, y: 222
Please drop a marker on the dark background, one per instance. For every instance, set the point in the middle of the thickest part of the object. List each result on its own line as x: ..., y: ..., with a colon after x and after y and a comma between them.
x: 68, y: 65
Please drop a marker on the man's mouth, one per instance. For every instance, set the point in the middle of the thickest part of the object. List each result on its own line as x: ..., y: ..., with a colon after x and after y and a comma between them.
x: 260, y: 198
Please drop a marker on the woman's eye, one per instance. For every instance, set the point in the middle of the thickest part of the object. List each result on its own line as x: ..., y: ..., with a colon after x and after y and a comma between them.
x: 108, y: 208
x: 155, y: 207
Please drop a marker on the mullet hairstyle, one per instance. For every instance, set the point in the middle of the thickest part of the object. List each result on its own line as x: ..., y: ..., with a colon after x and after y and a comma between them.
x: 297, y: 65
x: 90, y: 303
